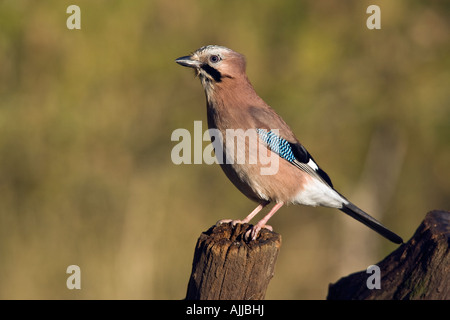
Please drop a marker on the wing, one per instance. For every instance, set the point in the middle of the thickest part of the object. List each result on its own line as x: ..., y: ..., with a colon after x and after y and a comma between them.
x: 295, y: 153
x: 284, y: 142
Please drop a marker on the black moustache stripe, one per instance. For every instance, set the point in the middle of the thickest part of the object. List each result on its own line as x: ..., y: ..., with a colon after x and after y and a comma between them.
x: 214, y: 73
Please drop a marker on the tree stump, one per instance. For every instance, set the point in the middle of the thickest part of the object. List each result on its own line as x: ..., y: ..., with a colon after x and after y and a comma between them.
x: 419, y: 269
x: 226, y: 267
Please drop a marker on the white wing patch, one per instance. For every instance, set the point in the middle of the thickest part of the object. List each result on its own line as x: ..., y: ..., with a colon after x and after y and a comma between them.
x: 313, y: 165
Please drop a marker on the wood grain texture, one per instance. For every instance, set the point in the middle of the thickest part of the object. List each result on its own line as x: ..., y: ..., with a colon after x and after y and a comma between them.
x: 227, y: 267
x: 417, y: 270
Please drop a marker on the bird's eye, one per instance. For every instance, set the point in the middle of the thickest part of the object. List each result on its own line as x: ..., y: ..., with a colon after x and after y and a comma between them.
x: 214, y: 58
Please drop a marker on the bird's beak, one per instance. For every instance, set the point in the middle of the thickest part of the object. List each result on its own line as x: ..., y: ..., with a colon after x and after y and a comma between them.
x: 188, y: 61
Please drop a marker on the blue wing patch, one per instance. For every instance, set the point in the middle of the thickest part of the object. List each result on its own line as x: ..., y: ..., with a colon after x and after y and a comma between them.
x: 277, y: 144
x: 294, y: 153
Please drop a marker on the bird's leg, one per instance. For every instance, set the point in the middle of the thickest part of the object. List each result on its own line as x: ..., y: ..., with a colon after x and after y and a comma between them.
x: 251, y: 215
x: 253, y: 232
x: 247, y: 219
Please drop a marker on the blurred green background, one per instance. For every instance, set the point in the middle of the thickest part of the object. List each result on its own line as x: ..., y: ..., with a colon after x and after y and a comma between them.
x: 86, y: 118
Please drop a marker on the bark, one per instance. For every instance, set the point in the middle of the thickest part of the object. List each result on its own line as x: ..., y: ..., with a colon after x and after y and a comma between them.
x: 418, y: 269
x: 226, y: 267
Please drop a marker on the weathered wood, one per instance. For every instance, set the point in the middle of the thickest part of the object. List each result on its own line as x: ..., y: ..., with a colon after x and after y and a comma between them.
x: 418, y: 269
x: 226, y: 267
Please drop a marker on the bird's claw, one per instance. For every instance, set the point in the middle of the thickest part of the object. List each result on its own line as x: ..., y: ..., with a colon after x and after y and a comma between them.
x: 253, y: 232
x: 233, y: 222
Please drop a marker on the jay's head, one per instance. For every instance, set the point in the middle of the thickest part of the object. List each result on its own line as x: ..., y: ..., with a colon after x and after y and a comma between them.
x: 215, y: 65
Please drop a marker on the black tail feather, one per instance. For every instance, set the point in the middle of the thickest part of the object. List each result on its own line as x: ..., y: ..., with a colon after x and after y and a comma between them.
x: 356, y: 213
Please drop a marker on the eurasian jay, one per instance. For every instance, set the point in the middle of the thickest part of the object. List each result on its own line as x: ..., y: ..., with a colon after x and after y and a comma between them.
x: 232, y: 103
